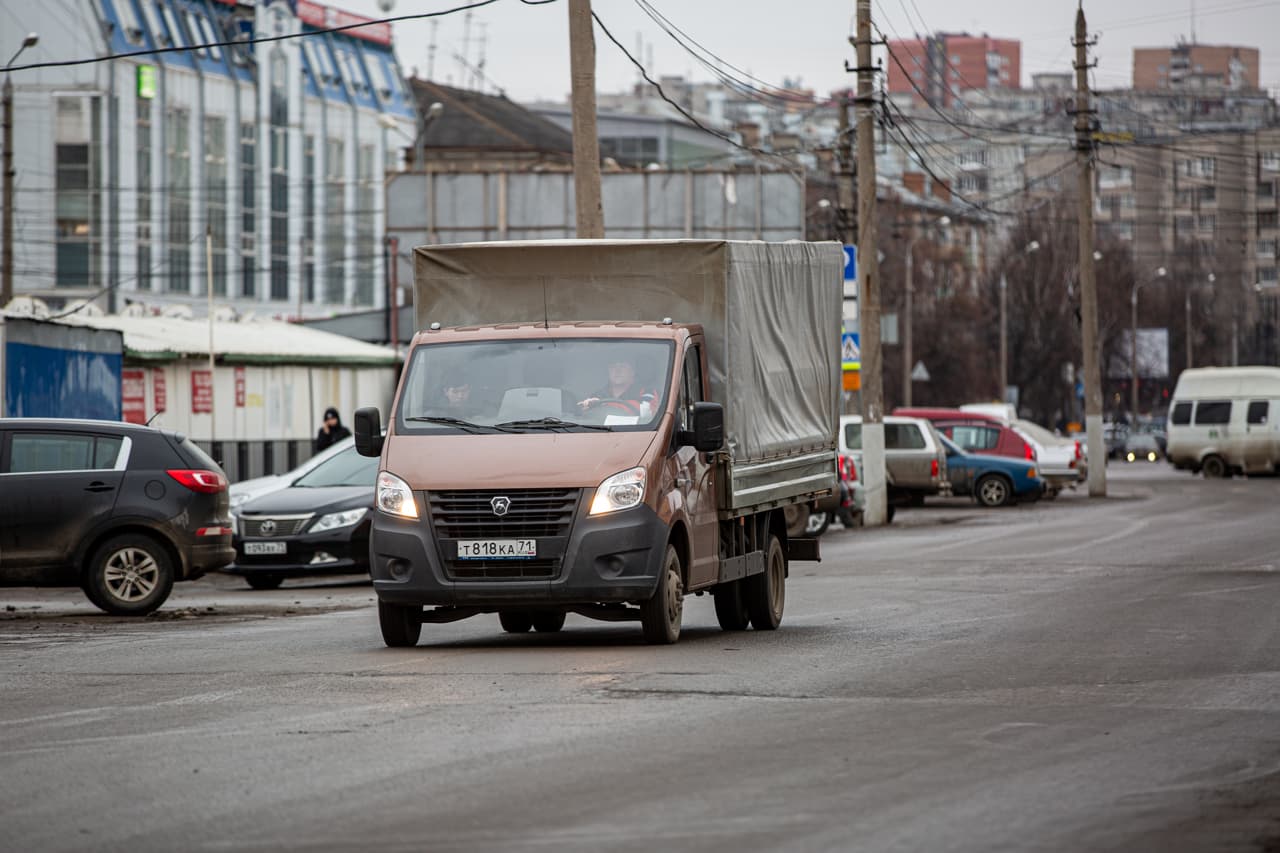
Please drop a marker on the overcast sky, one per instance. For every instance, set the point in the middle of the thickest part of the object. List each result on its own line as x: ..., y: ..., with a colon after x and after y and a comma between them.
x: 526, y: 47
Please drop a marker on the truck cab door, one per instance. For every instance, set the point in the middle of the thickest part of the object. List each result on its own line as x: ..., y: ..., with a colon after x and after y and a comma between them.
x: 695, y: 480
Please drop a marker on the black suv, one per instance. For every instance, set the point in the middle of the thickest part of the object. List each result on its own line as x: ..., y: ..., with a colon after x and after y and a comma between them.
x: 122, y: 511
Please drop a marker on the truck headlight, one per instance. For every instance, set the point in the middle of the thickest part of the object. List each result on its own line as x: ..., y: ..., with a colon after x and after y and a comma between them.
x: 338, y: 520
x: 621, y: 491
x: 394, y: 497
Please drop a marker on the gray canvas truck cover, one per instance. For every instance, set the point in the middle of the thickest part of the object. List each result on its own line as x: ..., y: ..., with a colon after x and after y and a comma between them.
x: 771, y: 313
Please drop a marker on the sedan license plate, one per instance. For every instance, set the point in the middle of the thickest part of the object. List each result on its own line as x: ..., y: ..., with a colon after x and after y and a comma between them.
x: 497, y: 549
x: 258, y: 548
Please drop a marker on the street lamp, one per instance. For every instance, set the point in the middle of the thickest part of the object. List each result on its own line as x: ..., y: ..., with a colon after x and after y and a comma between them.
x: 1133, y: 341
x: 1212, y: 279
x: 908, y: 308
x: 6, y: 275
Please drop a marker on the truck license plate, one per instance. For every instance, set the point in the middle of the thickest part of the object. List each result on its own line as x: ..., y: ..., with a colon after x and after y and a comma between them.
x: 497, y: 549
x: 258, y: 548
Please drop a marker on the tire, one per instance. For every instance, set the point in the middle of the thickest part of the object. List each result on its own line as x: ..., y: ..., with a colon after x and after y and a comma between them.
x: 992, y: 491
x: 515, y: 621
x: 129, y: 575
x: 264, y: 581
x: 1214, y: 467
x: 796, y: 517
x: 548, y: 621
x: 818, y: 524
x: 661, y: 615
x: 766, y: 593
x: 400, y: 623
x: 731, y: 609
x: 848, y: 519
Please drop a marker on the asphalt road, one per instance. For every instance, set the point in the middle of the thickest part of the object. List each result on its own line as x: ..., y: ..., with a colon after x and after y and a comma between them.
x: 1077, y: 675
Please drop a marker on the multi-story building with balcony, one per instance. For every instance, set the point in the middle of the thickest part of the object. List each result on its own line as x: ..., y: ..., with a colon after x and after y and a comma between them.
x: 275, y: 150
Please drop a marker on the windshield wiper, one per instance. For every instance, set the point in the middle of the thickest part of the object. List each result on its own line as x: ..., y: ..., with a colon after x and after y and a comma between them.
x: 458, y: 422
x: 552, y: 423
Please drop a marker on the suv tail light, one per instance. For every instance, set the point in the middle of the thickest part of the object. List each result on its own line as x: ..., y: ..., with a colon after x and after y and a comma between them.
x: 205, y: 482
x: 1028, y: 451
x: 853, y: 470
x: 933, y: 468
x: 1078, y: 450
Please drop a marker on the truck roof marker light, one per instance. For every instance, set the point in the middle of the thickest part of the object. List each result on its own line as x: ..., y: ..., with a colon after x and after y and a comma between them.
x: 666, y: 321
x: 435, y: 327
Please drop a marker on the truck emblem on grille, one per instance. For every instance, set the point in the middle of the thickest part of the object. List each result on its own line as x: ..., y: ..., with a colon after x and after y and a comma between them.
x: 267, y: 528
x: 501, y: 505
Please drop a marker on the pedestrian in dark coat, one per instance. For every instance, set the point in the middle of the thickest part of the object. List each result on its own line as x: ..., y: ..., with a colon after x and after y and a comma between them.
x: 331, y: 431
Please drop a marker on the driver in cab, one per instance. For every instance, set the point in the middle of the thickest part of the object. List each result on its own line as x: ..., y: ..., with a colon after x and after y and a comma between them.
x: 622, y: 392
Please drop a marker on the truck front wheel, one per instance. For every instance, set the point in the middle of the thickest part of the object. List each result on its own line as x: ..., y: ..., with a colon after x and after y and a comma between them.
x: 401, y: 624
x: 661, y: 615
x: 766, y: 593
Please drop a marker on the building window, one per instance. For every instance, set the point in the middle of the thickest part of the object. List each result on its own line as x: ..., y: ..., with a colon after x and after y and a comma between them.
x: 142, y: 143
x: 77, y: 200
x: 1267, y: 275
x: 1266, y: 220
x: 1208, y: 194
x: 309, y: 217
x: 366, y: 207
x: 1269, y: 161
x: 178, y: 153
x: 215, y: 182
x: 279, y: 179
x: 248, y: 209
x: 1266, y: 248
x: 335, y: 221
x: 1208, y: 222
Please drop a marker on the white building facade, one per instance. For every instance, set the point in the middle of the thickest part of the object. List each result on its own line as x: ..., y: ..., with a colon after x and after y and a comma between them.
x: 276, y: 151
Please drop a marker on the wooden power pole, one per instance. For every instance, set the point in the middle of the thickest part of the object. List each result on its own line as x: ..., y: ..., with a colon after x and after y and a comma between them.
x: 1088, y: 283
x: 586, y: 143
x: 872, y: 473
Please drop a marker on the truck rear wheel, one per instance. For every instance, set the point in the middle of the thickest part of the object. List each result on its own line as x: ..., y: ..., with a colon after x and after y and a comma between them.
x: 548, y: 621
x: 515, y: 621
x: 401, y: 624
x: 661, y: 615
x: 766, y: 593
x: 731, y: 610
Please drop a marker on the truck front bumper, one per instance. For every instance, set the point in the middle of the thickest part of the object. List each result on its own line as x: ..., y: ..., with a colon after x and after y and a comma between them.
x: 608, y: 559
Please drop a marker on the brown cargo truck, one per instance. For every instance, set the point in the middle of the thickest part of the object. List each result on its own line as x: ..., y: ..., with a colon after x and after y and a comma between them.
x: 602, y: 428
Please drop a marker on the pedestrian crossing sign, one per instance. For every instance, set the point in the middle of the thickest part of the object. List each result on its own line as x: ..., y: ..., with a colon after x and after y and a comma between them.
x: 850, y: 351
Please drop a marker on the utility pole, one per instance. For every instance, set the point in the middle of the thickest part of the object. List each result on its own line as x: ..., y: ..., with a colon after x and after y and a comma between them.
x: 908, y: 352
x: 586, y: 143
x: 6, y: 285
x: 846, y: 217
x: 393, y: 292
x: 1088, y: 283
x: 873, y: 473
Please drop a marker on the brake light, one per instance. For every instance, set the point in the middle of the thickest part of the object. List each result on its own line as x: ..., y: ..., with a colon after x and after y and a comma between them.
x: 204, y: 482
x: 842, y: 466
x: 933, y: 468
x: 1078, y: 453
x: 853, y: 469
x: 1027, y: 451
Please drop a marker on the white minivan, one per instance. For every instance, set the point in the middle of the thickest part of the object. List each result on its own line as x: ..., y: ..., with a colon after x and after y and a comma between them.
x: 1225, y: 420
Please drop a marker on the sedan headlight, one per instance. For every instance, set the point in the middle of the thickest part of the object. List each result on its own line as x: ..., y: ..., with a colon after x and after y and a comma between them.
x: 394, y: 497
x: 621, y: 491
x: 338, y: 520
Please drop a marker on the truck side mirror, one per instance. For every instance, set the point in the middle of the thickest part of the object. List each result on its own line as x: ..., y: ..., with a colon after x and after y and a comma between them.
x: 368, y: 423
x: 707, y: 433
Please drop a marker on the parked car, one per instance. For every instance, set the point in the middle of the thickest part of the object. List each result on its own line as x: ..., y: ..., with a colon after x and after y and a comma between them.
x: 915, y: 463
x: 120, y: 510
x: 976, y: 432
x: 845, y: 507
x: 247, y: 490
x: 991, y: 480
x: 1226, y: 420
x: 317, y: 525
x: 1061, y: 460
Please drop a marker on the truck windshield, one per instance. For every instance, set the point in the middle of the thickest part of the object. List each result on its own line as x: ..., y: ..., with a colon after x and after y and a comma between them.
x: 560, y: 384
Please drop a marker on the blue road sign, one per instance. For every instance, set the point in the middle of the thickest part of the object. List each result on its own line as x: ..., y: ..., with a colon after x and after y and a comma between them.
x: 850, y: 351
x: 850, y: 263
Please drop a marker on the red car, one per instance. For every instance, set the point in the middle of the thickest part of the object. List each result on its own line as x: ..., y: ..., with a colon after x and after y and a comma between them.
x: 975, y: 433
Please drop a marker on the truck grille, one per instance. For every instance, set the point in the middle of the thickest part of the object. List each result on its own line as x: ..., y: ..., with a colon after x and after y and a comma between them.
x: 252, y: 525
x: 532, y: 513
x: 463, y: 570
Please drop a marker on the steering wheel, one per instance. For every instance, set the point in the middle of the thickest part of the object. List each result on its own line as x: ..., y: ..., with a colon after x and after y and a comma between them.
x: 618, y: 403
